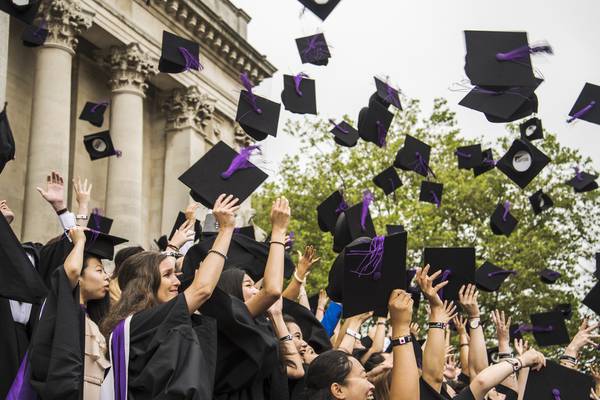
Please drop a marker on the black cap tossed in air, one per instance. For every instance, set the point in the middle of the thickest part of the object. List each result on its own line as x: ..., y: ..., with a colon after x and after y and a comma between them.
x: 99, y: 145
x: 531, y: 129
x: 25, y: 11
x: 583, y: 182
x: 181, y: 218
x: 313, y: 49
x: 431, y: 192
x: 7, y: 141
x: 344, y: 134
x: 321, y: 8
x: 502, y: 221
x: 299, y: 94
x: 374, y: 124
x: 555, y: 381
x: 388, y: 180
x: 549, y: 276
x: 353, y: 223
x: 490, y: 277
x: 522, y: 162
x: 34, y: 36
x: 540, y: 202
x: 258, y: 117
x: 549, y: 328
x: 457, y: 265
x: 329, y: 210
x: 487, y: 163
x: 386, y: 94
x: 414, y: 156
x: 587, y: 105
x: 566, y: 309
x: 391, y: 229
x: 94, y: 113
x: 469, y: 156
x: 592, y: 299
x: 178, y: 54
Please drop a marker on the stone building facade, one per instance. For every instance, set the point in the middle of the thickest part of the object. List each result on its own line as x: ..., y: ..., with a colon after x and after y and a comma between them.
x: 108, y: 50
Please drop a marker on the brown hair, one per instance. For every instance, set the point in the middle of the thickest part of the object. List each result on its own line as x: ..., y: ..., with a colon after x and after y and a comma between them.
x: 139, y: 280
x: 382, y: 383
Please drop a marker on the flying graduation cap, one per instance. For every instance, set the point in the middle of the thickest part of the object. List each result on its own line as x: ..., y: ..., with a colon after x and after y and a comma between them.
x: 329, y: 210
x: 313, y: 49
x: 469, y: 157
x: 531, y: 129
x: 258, y: 117
x: 353, y: 223
x: 94, y: 113
x: 321, y: 8
x: 299, y: 94
x: 386, y: 94
x: 178, y: 54
x: 457, y: 265
x: 414, y: 156
x: 502, y: 221
x: 555, y: 382
x: 490, y: 277
x: 25, y: 11
x: 388, y: 180
x: 34, y: 36
x: 344, y: 134
x: 583, y: 182
x: 522, y: 162
x: 99, y: 145
x: 587, y: 105
x: 540, y: 202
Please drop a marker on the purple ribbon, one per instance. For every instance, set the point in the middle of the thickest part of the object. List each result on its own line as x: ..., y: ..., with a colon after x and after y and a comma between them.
x: 489, y: 161
x: 506, y: 210
x: 392, y: 184
x: 291, y: 240
x: 190, y: 61
x: 38, y: 31
x: 381, y: 134
x: 445, y: 276
x: 507, y: 272
x: 95, y: 234
x: 436, y: 199
x: 118, y: 153
x: 392, y: 96
x: 21, y: 388
x: 581, y: 112
x: 96, y: 218
x: 314, y: 45
x: 343, y: 206
x: 533, y: 328
x: 372, y: 259
x: 240, y: 161
x: 367, y: 199
x: 118, y: 361
x: 421, y: 166
x: 297, y: 81
x: 251, y: 96
x: 578, y: 174
x: 462, y: 154
x: 523, y: 51
x: 556, y: 394
x: 103, y: 103
x: 339, y: 127
x: 552, y: 274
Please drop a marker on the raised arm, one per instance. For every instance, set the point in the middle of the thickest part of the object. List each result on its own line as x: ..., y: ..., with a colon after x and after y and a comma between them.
x: 83, y: 192
x: 288, y: 351
x: 463, y: 343
x: 207, y: 275
x: 305, y: 263
x: 74, y: 261
x: 520, y: 348
x: 477, y: 350
x: 349, y: 331
x: 504, y: 351
x: 273, y: 278
x: 322, y: 303
x: 583, y: 337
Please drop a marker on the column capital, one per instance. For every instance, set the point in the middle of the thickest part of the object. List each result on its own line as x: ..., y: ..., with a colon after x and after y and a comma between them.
x: 130, y: 66
x: 189, y: 108
x: 65, y: 20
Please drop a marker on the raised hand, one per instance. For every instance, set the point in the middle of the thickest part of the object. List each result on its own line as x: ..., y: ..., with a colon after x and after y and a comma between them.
x: 449, y: 312
x: 280, y: 215
x: 400, y: 305
x: 533, y: 359
x: 7, y: 213
x: 425, y: 283
x: 521, y: 346
x: 55, y: 191
x: 323, y: 299
x: 583, y: 337
x: 467, y: 296
x: 190, y: 211
x: 460, y: 323
x: 83, y: 192
x: 502, y: 327
x: 183, y: 234
x: 224, y: 211
x: 415, y: 329
x: 306, y: 261
x: 77, y: 234
x: 451, y: 367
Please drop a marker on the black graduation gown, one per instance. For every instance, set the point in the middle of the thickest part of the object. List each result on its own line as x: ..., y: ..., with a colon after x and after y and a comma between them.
x: 312, y: 331
x: 171, y: 356
x: 52, y: 255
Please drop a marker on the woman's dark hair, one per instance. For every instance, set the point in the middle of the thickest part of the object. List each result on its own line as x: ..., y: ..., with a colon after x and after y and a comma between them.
x: 288, y: 319
x: 96, y: 309
x: 374, y: 360
x: 359, y: 353
x: 123, y: 255
x: 231, y: 282
x: 329, y: 367
x: 139, y: 280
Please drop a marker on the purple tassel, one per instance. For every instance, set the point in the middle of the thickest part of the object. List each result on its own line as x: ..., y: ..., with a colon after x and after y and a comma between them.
x: 21, y: 388
x: 240, y: 161
x: 103, y: 103
x: 297, y: 81
x: 381, y: 134
x: 421, y: 166
x: 367, y: 199
x: 462, y: 154
x: 40, y: 29
x: 339, y: 127
x: 536, y: 329
x: 290, y: 242
x: 506, y: 210
x: 436, y: 199
x: 118, y: 153
x: 314, y: 45
x: 190, y: 61
x: 392, y: 96
x: 556, y: 394
x: 581, y: 112
x: 96, y: 218
x: 578, y: 174
x: 251, y: 96
x: 507, y: 272
x: 373, y: 258
x: 343, y: 206
x: 524, y: 51
x: 489, y: 161
x: 445, y: 276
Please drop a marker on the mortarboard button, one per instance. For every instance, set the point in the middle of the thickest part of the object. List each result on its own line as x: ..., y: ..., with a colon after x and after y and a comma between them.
x: 431, y: 192
x: 388, y: 180
x: 178, y: 54
x: 7, y: 141
x: 489, y: 277
x: 375, y: 124
x: 299, y: 94
x: 565, y: 309
x: 258, y: 117
x: 93, y: 113
x: 181, y: 218
x: 414, y: 156
x: 457, y: 264
x: 25, y: 11
x: 329, y: 210
x: 540, y: 202
x: 314, y: 49
x: 101, y: 245
x: 386, y: 95
x: 99, y: 145
x: 223, y: 170
x: 502, y: 221
x: 353, y: 223
x: 583, y: 182
x: 469, y: 156
x: 587, y: 105
x: 555, y: 382
x: 592, y: 299
x: 321, y: 8
x: 344, y: 134
x: 549, y: 276
x: 487, y: 163
x: 391, y: 229
x: 522, y: 162
x: 548, y: 328
x: 531, y: 129
x: 34, y: 36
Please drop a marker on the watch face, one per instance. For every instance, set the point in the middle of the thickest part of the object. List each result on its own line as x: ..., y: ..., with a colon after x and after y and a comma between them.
x: 474, y: 323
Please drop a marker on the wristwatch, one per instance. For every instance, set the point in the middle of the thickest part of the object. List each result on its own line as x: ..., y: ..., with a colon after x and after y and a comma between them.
x: 354, y: 334
x: 286, y: 338
x: 474, y: 323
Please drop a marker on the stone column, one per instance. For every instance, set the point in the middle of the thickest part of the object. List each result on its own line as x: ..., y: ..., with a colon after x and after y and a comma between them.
x: 4, y: 34
x: 189, y: 116
x: 51, y: 111
x: 130, y: 67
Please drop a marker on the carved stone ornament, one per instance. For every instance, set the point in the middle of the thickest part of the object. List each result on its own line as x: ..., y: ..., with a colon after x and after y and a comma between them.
x: 65, y: 20
x: 130, y: 66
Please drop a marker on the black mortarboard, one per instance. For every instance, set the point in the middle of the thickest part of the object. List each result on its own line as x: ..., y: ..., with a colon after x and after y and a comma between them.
x: 388, y: 180
x: 566, y: 309
x: 597, y: 272
x: 366, y: 341
x: 488, y: 62
x: 540, y: 201
x: 100, y: 223
x: 489, y: 277
x: 99, y: 145
x: 487, y: 163
x: 502, y: 104
x: 549, y: 328
x: 583, y: 182
x: 102, y: 245
x: 313, y: 49
x: 391, y: 229
x: 555, y: 381
x: 181, y: 218
x: 321, y: 9
x: 592, y: 299
x: 24, y: 11
x: 7, y: 141
x: 413, y: 156
x: 375, y: 124
x: 348, y: 227
x: 162, y: 242
x: 431, y: 192
x: 247, y: 231
x: 335, y: 278
x: 34, y: 36
x: 522, y: 162
x: 206, y: 177
x: 531, y: 129
x: 457, y: 265
x: 178, y: 54
x: 344, y: 133
x: 260, y: 122
x: 387, y: 95
x: 329, y: 210
x: 514, y: 332
x: 469, y: 156
x: 502, y: 221
x: 299, y: 94
x: 371, y: 271
x: 587, y: 105
x: 94, y: 113
x: 549, y: 276
x: 492, y: 355
x: 312, y: 331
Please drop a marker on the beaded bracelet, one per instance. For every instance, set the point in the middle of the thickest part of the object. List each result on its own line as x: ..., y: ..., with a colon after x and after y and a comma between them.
x: 218, y: 253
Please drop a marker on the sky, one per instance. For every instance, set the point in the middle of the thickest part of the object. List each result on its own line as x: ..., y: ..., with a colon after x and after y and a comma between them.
x: 420, y: 46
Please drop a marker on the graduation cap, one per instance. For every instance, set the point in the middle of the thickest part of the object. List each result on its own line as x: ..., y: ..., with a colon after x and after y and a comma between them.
x: 25, y: 11
x: 431, y: 192
x: 101, y: 245
x: 321, y: 8
x: 489, y: 277
x: 335, y: 277
x: 522, y: 162
x: 247, y: 231
x: 540, y: 202
x: 500, y: 58
x: 178, y: 54
x: 258, y: 117
x: 99, y: 145
x: 487, y: 163
x: 457, y: 265
x: 329, y: 210
x: 223, y: 170
x: 353, y: 223
x: 344, y: 134
x: 469, y: 156
x: 388, y: 180
x: 386, y: 95
x: 414, y: 156
x: 34, y: 36
x: 181, y: 218
x: 531, y: 129
x: 597, y: 272
x: 583, y: 182
x: 555, y: 381
x: 374, y: 124
x: 565, y: 309
x: 514, y: 332
x: 312, y: 331
x: 502, y: 221
x: 587, y: 105
x: 299, y: 94
x: 548, y: 328
x: 99, y: 222
x: 94, y: 113
x: 371, y: 271
x: 313, y: 49
x: 549, y: 276
x: 162, y: 242
x: 592, y: 299
x: 7, y: 141
x: 391, y: 229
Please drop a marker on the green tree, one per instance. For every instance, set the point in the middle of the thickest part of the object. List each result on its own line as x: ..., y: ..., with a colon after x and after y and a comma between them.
x: 562, y: 238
